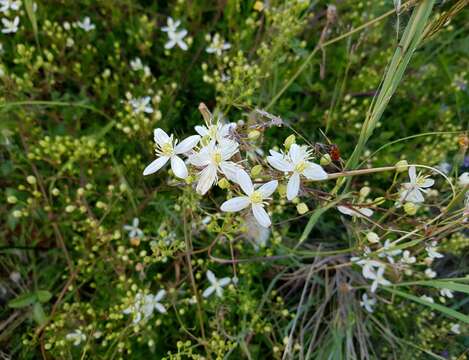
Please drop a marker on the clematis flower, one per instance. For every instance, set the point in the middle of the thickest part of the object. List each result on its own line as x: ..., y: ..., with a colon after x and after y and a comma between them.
x: 77, y: 337
x: 446, y: 293
x: 406, y: 258
x: 378, y: 279
x: 6, y: 5
x: 432, y: 251
x: 389, y: 254
x: 297, y: 163
x: 213, y: 159
x: 86, y: 24
x: 217, y: 131
x: 412, y: 191
x: 144, y: 306
x: 367, y: 303
x: 168, y: 149
x: 253, y: 198
x: 133, y: 230
x: 429, y: 273
x: 358, y: 212
x: 10, y: 26
x: 456, y: 329
x: 218, y: 45
x: 141, y: 105
x: 171, y: 25
x: 176, y: 38
x: 216, y: 285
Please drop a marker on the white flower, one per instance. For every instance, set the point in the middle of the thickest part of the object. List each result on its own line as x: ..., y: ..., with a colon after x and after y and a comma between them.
x: 213, y: 159
x: 136, y: 64
x: 464, y: 179
x: 86, y: 24
x: 432, y: 251
x: 368, y: 266
x: 10, y: 26
x: 367, y: 303
x: 427, y: 298
x: 429, y: 273
x: 389, y: 254
x: 254, y: 198
x: 144, y: 305
x: 456, y: 329
x: 297, y: 162
x: 134, y: 231
x: 171, y: 26
x: 406, y: 258
x: 378, y: 279
x: 176, y: 38
x: 6, y: 5
x: 141, y: 105
x: 76, y: 336
x: 412, y: 191
x: 216, y: 285
x: 218, y: 45
x: 358, y: 212
x: 217, y: 131
x: 446, y: 293
x: 168, y: 149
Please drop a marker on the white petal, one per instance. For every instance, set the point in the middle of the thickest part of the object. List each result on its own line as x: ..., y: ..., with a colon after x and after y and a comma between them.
x: 295, y: 153
x: 243, y: 179
x: 202, y: 158
x: 268, y: 188
x: 225, y: 281
x: 345, y: 210
x: 182, y: 45
x: 228, y: 148
x: 314, y: 172
x: 230, y: 170
x: 219, y: 291
x: 160, y: 295
x: 187, y: 144
x: 211, y: 277
x: 235, y: 204
x: 208, y: 291
x: 365, y: 211
x: 412, y: 174
x: 261, y: 215
x: 155, y: 165
x: 208, y: 176
x: 160, y: 136
x: 427, y: 183
x: 170, y: 44
x: 160, y: 308
x: 280, y: 163
x: 201, y: 130
x: 178, y: 166
x: 293, y: 186
x: 414, y: 196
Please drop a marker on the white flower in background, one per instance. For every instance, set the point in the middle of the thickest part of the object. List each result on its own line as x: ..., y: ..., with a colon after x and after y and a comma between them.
x: 213, y: 159
x: 6, y: 5
x: 253, y: 198
x: 86, y: 24
x: 171, y: 26
x: 389, y: 254
x: 446, y: 293
x: 133, y: 230
x: 464, y: 179
x: 141, y: 105
x: 76, y: 337
x: 297, y: 163
x: 378, y: 279
x: 168, y: 149
x: 136, y: 64
x: 456, y: 329
x: 427, y: 298
x: 258, y: 235
x: 144, y: 306
x: 368, y: 266
x: 218, y: 45
x: 432, y: 251
x: 176, y: 38
x: 412, y: 191
x: 407, y: 259
x: 216, y: 285
x: 429, y: 273
x: 358, y: 212
x: 217, y: 131
x: 367, y: 303
x: 10, y: 26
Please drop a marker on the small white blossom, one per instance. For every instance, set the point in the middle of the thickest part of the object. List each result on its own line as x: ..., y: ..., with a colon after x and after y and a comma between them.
x: 429, y: 273
x: 427, y: 298
x: 253, y: 198
x: 412, y: 191
x: 141, y: 105
x: 136, y: 64
x: 176, y: 38
x: 464, y: 179
x: 367, y: 303
x: 216, y: 285
x: 217, y: 131
x: 352, y: 211
x: 168, y: 149
x: 446, y: 293
x: 389, y: 254
x: 297, y: 162
x: 456, y: 329
x: 407, y: 259
x: 144, y: 306
x: 432, y: 251
x: 171, y: 26
x: 218, y: 45
x: 6, y: 5
x: 77, y: 337
x: 86, y: 24
x: 133, y: 230
x: 10, y: 26
x: 378, y: 279
x: 213, y: 159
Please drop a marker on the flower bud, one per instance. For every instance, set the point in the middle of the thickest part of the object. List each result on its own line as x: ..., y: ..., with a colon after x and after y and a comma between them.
x: 365, y: 191
x: 401, y: 166
x: 325, y: 160
x: 302, y: 208
x: 282, y: 190
x: 12, y: 199
x: 254, y: 134
x: 256, y: 170
x: 372, y: 237
x: 31, y: 179
x: 289, y: 141
x: 223, y: 184
x: 410, y: 208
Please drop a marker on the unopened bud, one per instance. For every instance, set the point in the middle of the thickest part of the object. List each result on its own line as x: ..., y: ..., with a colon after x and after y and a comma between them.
x: 256, y: 170
x: 223, y: 184
x: 302, y: 208
x: 289, y: 141
x: 325, y: 160
x: 402, y: 166
x: 410, y: 208
x: 372, y: 237
x: 254, y: 134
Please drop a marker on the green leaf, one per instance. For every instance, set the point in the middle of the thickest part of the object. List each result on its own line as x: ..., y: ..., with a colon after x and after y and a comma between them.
x: 39, y: 315
x: 441, y: 308
x: 43, y: 296
x: 23, y: 301
x: 28, y: 4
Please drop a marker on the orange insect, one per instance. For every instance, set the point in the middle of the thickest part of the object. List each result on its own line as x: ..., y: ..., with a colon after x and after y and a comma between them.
x: 334, y: 152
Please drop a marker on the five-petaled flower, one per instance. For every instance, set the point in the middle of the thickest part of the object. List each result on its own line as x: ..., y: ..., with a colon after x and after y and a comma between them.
x: 141, y: 105
x: 297, y: 163
x: 168, y: 149
x: 133, y: 230
x: 218, y: 45
x: 216, y: 285
x: 86, y: 24
x: 367, y: 302
x: 144, y: 305
x: 213, y: 158
x: 175, y: 37
x: 6, y: 5
x: 10, y: 26
x: 412, y: 191
x: 254, y: 198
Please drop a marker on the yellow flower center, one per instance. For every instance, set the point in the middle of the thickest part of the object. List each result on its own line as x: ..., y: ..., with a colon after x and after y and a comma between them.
x: 420, y: 181
x: 256, y: 197
x: 300, y: 167
x: 217, y: 158
x: 167, y: 149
